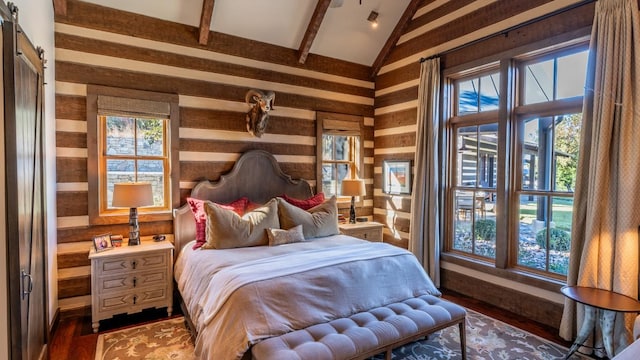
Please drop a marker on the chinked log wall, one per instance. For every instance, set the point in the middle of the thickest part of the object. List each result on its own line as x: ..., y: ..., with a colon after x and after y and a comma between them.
x: 438, y: 27
x: 97, y: 45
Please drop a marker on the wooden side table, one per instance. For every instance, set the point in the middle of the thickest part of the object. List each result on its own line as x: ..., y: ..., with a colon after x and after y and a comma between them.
x: 603, y: 305
x: 368, y: 230
x: 129, y: 279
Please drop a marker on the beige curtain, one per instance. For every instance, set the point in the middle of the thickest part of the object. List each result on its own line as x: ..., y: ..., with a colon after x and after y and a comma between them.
x: 424, y: 239
x: 604, y: 241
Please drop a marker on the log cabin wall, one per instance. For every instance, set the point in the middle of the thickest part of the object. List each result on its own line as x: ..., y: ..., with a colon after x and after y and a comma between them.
x: 438, y: 28
x: 102, y: 46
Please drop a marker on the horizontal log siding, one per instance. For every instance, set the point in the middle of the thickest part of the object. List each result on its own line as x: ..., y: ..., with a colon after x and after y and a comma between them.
x: 435, y: 30
x: 96, y: 45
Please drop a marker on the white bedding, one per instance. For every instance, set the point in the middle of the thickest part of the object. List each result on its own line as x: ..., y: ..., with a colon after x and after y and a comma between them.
x: 236, y: 297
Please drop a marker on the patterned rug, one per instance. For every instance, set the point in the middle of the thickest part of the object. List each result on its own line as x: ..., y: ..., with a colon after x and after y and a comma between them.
x: 487, y: 338
x: 166, y: 339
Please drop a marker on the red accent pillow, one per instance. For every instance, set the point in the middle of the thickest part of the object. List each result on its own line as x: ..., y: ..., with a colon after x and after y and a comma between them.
x: 251, y: 206
x: 306, y: 204
x: 197, y: 207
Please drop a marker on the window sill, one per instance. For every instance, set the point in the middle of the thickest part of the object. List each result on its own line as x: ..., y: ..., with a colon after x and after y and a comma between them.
x: 512, y: 274
x: 124, y: 218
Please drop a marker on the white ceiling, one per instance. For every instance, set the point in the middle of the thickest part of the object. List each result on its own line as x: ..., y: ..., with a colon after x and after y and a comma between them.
x: 344, y: 34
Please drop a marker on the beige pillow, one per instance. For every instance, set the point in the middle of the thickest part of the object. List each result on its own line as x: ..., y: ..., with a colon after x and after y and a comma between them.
x: 281, y: 237
x: 321, y: 220
x: 226, y: 229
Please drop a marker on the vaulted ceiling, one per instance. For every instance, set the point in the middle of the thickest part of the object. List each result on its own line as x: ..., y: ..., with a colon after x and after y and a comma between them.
x: 333, y: 28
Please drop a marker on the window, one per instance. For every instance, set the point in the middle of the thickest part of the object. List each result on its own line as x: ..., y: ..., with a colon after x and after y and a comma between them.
x: 339, y: 156
x: 133, y: 149
x: 519, y: 161
x: 554, y: 78
x: 474, y: 189
x: 340, y: 151
x: 130, y: 137
x: 475, y: 130
x: 478, y: 94
x: 549, y: 152
x: 547, y: 148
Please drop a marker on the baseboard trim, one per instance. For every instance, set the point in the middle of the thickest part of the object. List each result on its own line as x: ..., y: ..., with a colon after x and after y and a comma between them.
x: 75, y: 312
x: 528, y: 305
x: 53, y: 327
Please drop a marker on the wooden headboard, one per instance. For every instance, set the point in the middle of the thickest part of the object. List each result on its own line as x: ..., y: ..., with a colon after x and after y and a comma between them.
x: 255, y: 175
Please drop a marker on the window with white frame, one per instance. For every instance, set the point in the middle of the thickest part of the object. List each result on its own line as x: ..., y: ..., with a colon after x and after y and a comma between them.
x: 539, y: 136
x: 340, y: 151
x: 134, y: 149
x: 132, y: 137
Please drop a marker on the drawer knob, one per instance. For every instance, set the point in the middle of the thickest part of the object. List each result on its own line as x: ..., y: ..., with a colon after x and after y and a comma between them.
x: 134, y: 264
x: 135, y: 298
x: 365, y: 235
x: 134, y: 281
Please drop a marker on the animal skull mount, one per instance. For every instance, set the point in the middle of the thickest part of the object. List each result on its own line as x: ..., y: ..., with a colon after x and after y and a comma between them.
x: 260, y: 104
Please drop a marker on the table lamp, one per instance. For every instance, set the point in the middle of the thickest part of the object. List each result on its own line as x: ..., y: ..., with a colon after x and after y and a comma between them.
x: 353, y: 187
x: 133, y: 196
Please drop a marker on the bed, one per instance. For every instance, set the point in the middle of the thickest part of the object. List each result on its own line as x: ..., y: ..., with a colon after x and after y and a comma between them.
x: 234, y: 297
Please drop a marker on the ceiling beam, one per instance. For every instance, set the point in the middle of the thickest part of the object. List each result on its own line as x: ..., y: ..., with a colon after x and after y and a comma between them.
x: 60, y: 7
x: 205, y: 21
x: 395, y: 35
x: 312, y: 29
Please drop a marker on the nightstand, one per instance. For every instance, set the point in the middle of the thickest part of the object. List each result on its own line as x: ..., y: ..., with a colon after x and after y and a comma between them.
x: 369, y: 230
x: 129, y: 279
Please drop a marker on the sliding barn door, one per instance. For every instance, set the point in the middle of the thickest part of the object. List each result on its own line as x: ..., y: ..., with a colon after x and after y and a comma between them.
x: 23, y: 109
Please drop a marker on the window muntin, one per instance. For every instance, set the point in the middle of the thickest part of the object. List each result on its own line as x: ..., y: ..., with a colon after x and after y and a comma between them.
x: 134, y: 149
x: 340, y: 154
x: 559, y: 77
x: 478, y: 94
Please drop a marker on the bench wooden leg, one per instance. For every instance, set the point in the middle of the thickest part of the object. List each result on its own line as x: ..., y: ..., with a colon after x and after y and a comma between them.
x: 387, y: 355
x: 463, y: 339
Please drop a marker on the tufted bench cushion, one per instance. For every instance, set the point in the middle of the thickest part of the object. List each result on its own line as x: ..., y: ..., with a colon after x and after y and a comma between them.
x: 367, y: 333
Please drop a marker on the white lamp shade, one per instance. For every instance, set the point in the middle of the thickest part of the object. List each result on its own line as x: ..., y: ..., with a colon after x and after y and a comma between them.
x: 353, y: 187
x: 132, y: 195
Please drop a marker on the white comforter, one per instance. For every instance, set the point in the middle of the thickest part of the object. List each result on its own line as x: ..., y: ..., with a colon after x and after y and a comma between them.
x: 236, y: 297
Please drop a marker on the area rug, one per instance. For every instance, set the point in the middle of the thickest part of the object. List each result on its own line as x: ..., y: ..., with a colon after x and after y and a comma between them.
x: 167, y: 339
x: 487, y: 338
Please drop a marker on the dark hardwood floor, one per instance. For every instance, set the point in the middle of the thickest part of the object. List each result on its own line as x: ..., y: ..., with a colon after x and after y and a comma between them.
x: 74, y: 338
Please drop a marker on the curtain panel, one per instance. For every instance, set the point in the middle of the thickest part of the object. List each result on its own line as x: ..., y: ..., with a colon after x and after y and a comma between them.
x: 604, y: 241
x: 424, y: 240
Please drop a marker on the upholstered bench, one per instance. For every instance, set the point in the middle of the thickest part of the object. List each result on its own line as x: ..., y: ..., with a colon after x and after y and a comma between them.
x: 367, y: 333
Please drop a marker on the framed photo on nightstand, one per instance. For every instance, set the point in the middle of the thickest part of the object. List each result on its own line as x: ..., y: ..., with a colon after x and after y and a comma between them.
x: 102, y: 242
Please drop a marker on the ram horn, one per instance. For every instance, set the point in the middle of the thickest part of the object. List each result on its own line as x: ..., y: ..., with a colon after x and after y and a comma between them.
x: 253, y: 96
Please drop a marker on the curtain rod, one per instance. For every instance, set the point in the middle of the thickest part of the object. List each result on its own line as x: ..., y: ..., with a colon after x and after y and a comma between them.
x: 512, y: 28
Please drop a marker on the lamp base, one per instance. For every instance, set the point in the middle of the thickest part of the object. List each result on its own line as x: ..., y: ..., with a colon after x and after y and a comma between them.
x: 352, y: 211
x: 134, y: 229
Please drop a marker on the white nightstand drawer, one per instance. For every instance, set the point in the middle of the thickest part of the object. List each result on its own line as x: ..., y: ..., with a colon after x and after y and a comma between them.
x: 371, y: 230
x: 131, y: 280
x: 367, y: 234
x: 130, y: 302
x: 140, y: 262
